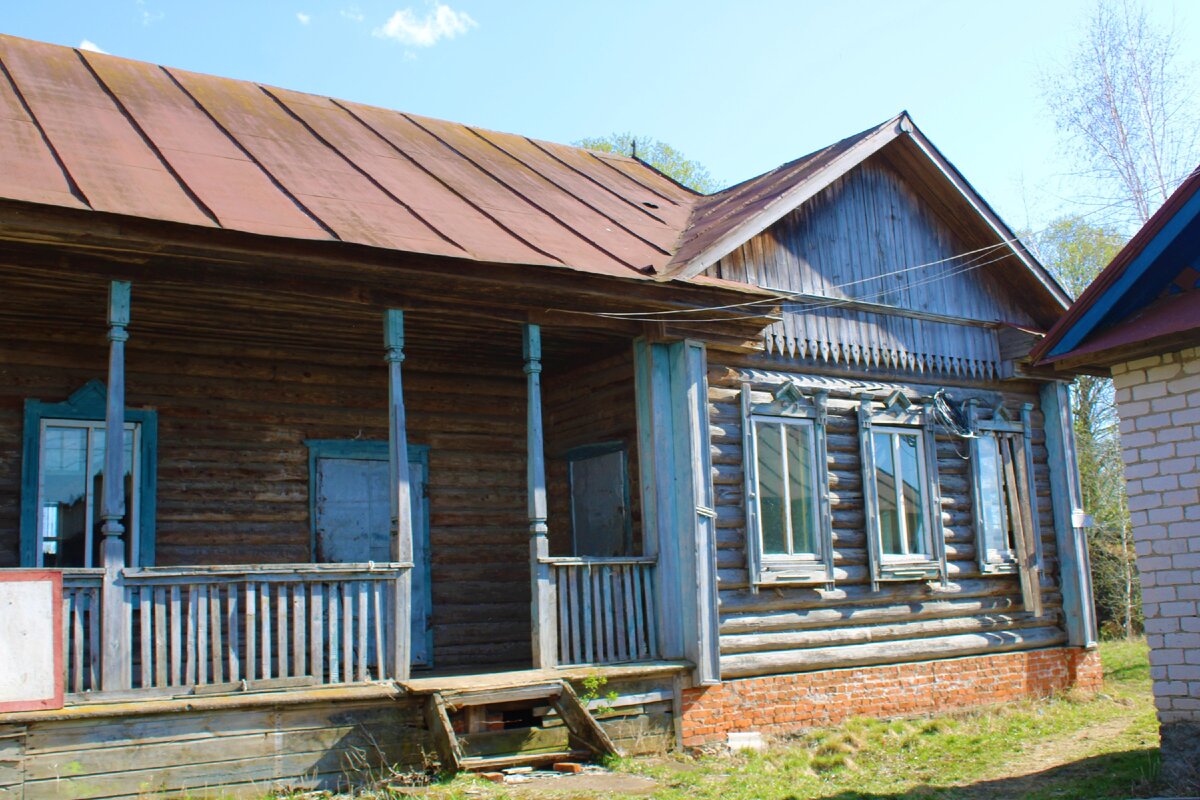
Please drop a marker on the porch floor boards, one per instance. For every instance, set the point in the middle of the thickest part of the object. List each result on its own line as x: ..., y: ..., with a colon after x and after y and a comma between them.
x: 494, y: 680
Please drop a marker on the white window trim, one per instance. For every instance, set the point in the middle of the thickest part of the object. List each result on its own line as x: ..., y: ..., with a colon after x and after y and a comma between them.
x: 788, y: 406
x: 132, y: 429
x: 894, y: 414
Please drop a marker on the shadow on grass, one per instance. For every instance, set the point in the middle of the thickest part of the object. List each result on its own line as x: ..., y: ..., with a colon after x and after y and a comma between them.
x: 1128, y: 774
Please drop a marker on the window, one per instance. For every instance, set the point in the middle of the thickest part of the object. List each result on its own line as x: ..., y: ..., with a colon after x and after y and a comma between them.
x: 70, y: 485
x: 900, y: 479
x: 62, y: 479
x: 789, y: 536
x: 1004, y: 497
x: 905, y: 540
x: 601, y: 523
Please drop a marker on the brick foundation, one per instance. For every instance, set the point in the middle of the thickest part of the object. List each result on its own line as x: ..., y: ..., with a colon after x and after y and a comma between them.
x: 784, y: 703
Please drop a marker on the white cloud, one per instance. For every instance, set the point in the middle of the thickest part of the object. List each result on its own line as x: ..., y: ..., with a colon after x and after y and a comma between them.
x: 442, y: 22
x: 353, y: 13
x: 304, y: 18
x: 151, y: 17
x: 89, y: 45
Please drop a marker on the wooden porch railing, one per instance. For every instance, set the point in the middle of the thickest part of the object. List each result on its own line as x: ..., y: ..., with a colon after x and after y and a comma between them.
x: 201, y: 626
x: 81, y: 629
x: 606, y: 611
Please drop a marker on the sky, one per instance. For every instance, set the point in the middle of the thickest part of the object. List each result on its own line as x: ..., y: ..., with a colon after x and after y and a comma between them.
x: 740, y: 87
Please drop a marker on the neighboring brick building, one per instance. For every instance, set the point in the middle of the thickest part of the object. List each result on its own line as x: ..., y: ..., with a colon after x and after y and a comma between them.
x: 1140, y: 320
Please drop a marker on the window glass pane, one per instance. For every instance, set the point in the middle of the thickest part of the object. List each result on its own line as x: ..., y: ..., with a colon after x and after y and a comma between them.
x: 885, y: 484
x: 771, y: 490
x: 914, y: 497
x: 801, y: 487
x: 991, y: 511
x: 96, y: 475
x: 63, y: 512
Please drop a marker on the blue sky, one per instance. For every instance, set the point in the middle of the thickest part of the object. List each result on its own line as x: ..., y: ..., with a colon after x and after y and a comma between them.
x: 739, y: 86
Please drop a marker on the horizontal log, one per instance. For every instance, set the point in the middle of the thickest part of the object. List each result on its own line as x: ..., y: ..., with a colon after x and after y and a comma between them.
x: 907, y: 630
x: 745, y: 665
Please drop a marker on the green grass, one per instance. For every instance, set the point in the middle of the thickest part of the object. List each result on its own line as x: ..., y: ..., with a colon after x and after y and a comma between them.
x: 1055, y: 749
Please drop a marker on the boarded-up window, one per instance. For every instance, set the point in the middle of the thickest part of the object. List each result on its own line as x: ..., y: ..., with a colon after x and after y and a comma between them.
x: 1005, y: 502
x: 601, y: 524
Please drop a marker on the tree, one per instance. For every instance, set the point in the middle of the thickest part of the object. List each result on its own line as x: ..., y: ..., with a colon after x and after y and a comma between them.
x: 1126, y: 105
x: 1075, y: 251
x: 660, y: 155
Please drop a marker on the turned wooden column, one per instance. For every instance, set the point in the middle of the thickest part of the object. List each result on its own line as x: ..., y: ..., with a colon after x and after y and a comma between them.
x: 543, y: 608
x: 399, y: 494
x: 115, y: 664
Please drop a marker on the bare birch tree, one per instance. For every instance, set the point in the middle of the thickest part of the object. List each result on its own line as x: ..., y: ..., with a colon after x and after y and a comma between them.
x: 1125, y: 101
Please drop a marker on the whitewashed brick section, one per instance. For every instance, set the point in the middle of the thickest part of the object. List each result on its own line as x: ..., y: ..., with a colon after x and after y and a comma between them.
x: 1158, y: 399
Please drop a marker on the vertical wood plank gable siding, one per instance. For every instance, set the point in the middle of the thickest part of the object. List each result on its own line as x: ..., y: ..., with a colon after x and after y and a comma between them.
x: 849, y: 242
x: 233, y: 469
x: 783, y: 629
x: 591, y: 404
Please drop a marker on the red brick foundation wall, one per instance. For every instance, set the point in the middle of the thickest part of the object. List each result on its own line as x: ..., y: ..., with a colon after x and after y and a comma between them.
x: 783, y: 703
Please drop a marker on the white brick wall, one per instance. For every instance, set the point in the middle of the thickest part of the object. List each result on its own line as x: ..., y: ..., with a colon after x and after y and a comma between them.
x: 1158, y: 399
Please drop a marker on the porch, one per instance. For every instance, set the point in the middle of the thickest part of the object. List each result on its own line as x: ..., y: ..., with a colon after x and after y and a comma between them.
x: 185, y: 599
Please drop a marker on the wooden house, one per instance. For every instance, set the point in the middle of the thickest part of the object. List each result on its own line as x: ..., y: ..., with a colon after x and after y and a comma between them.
x: 420, y: 425
x: 1139, y: 322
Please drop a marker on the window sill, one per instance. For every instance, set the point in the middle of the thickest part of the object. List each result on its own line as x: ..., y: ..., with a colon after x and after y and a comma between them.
x: 909, y: 570
x: 792, y: 574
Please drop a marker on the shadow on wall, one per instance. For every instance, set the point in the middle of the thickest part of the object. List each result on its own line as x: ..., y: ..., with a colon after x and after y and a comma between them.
x: 1128, y: 774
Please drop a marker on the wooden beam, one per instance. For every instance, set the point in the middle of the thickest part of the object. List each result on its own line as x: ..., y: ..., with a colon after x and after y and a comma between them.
x: 116, y: 667
x: 544, y: 605
x: 399, y: 495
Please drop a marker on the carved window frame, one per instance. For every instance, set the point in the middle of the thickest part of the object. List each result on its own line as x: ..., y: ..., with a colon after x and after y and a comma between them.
x: 789, y: 405
x: 898, y: 411
x: 1000, y: 424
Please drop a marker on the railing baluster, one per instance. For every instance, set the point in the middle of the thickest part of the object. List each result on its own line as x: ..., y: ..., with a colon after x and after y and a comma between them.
x: 360, y: 640
x: 316, y: 636
x: 160, y: 635
x: 94, y: 647
x: 143, y: 608
x: 347, y: 632
x: 639, y: 620
x: 231, y: 633
x: 214, y: 628
x: 192, y: 633
x: 561, y: 618
x: 589, y: 628
x: 250, y: 604
x: 651, y: 612
x: 176, y: 676
x: 334, y: 672
x: 74, y: 644
x: 264, y: 615
x: 377, y: 610
x: 625, y: 641
x: 281, y: 631
x: 202, y: 634
x: 299, y: 616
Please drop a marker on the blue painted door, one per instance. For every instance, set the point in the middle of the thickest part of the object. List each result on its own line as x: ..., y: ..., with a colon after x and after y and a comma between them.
x: 353, y: 524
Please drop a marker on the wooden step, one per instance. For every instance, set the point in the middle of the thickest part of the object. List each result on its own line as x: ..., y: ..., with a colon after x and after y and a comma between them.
x: 491, y: 763
x: 560, y: 696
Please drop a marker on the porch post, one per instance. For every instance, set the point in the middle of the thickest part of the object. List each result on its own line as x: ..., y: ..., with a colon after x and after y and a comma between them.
x: 401, y: 503
x: 545, y: 624
x: 115, y: 665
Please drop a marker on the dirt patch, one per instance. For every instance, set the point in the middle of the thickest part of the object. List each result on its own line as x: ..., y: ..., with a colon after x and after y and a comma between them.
x: 600, y: 784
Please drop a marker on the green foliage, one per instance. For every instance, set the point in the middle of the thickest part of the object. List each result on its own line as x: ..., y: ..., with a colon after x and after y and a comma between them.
x: 592, y: 685
x: 1075, y: 251
x: 660, y: 155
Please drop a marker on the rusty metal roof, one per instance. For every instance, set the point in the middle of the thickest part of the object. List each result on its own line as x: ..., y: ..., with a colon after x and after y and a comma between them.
x: 84, y: 130
x: 92, y: 131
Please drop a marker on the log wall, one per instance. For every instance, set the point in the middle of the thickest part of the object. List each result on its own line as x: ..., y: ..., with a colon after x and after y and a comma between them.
x: 784, y: 628
x: 233, y: 483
